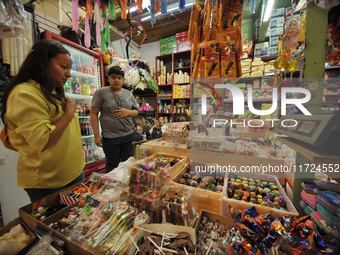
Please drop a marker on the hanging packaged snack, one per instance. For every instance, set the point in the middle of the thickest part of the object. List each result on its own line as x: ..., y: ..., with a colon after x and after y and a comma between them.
x: 228, y: 65
x: 234, y: 18
x: 212, y: 59
x: 194, y: 20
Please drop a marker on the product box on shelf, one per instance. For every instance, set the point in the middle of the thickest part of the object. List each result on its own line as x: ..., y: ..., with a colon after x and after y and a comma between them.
x: 52, y: 200
x: 278, y: 12
x: 232, y: 205
x: 275, y: 31
x: 273, y: 41
x: 276, y: 22
x: 28, y: 231
x: 261, y: 49
x: 206, y: 199
x: 273, y: 51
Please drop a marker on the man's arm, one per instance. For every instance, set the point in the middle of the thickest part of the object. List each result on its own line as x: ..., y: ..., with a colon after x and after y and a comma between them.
x: 95, y: 125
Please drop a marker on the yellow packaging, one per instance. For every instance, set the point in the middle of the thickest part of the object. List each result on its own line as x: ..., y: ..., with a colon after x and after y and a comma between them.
x: 212, y: 59
x: 274, y: 115
x: 256, y: 84
x: 228, y: 65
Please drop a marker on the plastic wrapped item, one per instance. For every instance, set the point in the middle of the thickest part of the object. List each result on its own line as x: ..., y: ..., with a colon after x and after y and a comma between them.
x: 330, y: 218
x: 328, y: 185
x: 326, y: 4
x: 330, y: 200
x: 12, y: 19
x: 43, y: 247
x: 308, y: 188
x: 309, y: 199
x: 290, y: 244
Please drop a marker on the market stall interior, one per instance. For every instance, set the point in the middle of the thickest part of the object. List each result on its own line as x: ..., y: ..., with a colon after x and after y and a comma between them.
x: 244, y: 97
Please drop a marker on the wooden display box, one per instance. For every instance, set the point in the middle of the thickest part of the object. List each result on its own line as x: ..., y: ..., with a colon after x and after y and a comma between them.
x: 230, y: 205
x: 171, y: 150
x: 33, y: 237
x: 51, y: 200
x: 206, y: 199
x: 69, y: 246
x: 213, y: 217
x: 160, y: 228
x: 249, y: 134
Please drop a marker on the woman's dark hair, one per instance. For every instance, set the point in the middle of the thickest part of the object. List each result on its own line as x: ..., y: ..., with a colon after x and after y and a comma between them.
x: 115, y: 70
x: 36, y: 67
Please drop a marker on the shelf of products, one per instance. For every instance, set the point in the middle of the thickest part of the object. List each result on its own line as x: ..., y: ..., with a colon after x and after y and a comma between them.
x: 168, y: 82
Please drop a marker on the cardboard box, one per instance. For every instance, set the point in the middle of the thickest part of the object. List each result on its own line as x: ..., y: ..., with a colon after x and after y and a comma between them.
x: 33, y: 237
x: 288, y: 9
x: 275, y: 31
x: 277, y: 22
x: 273, y: 41
x: 232, y: 205
x: 261, y: 49
x: 183, y: 44
x: 272, y: 51
x: 278, y: 12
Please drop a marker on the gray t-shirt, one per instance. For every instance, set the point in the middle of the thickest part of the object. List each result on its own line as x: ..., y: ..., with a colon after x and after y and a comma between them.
x: 108, y: 102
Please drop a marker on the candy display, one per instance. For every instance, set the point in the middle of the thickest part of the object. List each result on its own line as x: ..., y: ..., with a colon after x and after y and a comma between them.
x: 264, y: 234
x: 255, y: 191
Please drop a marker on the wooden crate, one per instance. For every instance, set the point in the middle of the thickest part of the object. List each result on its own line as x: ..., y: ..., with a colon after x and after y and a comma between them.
x: 230, y: 206
x: 206, y: 200
x: 28, y: 231
x: 213, y: 217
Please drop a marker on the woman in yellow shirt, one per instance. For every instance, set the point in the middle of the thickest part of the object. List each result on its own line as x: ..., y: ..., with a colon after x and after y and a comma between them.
x: 42, y: 123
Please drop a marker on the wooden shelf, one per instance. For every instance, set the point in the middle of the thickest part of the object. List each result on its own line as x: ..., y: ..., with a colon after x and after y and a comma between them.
x: 164, y: 113
x: 184, y: 83
x: 182, y: 68
x: 164, y: 98
x: 311, y: 154
x: 181, y: 97
x: 165, y: 85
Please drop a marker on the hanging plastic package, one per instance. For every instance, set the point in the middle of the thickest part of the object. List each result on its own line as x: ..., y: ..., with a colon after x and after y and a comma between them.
x: 326, y: 4
x: 75, y: 23
x: 12, y: 19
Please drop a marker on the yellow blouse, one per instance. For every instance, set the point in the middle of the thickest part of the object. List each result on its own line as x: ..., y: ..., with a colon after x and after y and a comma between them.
x: 30, y: 118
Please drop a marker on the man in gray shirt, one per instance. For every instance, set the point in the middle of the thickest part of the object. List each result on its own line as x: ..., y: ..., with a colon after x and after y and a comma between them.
x: 117, y: 108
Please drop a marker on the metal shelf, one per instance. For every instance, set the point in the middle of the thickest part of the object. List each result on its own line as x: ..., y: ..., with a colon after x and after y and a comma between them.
x: 83, y: 75
x: 77, y: 96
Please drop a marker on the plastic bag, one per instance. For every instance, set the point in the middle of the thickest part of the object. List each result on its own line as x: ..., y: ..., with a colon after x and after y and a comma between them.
x: 12, y: 19
x: 44, y: 247
x: 326, y: 4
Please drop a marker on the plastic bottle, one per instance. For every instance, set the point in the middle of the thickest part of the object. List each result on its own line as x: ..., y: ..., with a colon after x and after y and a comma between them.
x: 87, y: 88
x: 76, y: 87
x: 89, y: 153
x: 95, y: 151
x: 92, y: 88
x: 67, y: 86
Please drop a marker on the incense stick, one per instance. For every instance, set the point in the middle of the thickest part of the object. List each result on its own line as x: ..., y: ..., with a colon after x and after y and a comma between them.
x: 209, y: 248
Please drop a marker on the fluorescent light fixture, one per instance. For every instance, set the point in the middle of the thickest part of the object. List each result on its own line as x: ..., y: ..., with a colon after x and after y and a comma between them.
x: 268, y: 11
x: 172, y: 9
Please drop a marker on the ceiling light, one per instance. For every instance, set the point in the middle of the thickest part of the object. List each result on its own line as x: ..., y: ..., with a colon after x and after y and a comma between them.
x: 268, y: 11
x: 172, y: 9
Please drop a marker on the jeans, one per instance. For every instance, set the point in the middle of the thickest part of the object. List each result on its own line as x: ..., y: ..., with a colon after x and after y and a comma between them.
x: 36, y: 194
x: 118, y: 149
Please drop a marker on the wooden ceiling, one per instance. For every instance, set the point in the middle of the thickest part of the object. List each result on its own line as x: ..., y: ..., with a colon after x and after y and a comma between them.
x: 166, y: 25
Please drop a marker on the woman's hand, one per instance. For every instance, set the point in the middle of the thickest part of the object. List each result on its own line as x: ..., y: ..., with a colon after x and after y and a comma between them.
x: 69, y: 107
x: 121, y: 113
x: 98, y: 140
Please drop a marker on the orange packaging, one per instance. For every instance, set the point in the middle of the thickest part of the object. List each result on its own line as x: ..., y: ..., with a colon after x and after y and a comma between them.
x: 212, y: 59
x: 228, y: 61
x: 256, y: 84
x: 201, y: 72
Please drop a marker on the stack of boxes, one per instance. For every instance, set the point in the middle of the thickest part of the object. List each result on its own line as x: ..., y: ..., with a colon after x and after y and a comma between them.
x: 276, y: 28
x: 246, y: 68
x: 181, y: 91
x: 252, y: 68
x: 183, y: 43
x: 168, y: 45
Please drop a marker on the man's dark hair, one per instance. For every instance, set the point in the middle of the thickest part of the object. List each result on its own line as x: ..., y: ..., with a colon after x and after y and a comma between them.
x: 115, y: 70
